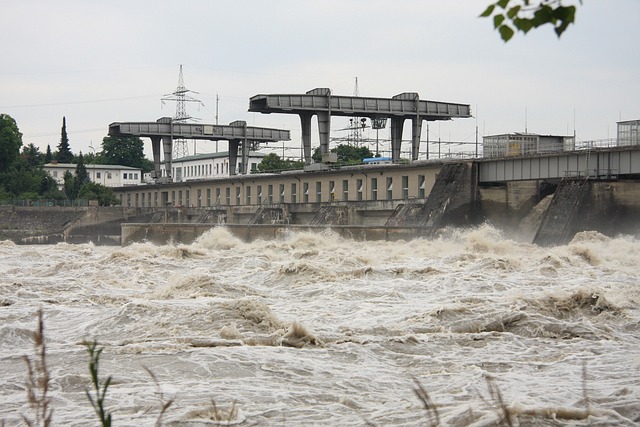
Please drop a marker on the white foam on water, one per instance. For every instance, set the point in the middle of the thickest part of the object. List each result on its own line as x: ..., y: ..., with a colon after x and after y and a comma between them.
x: 316, y: 329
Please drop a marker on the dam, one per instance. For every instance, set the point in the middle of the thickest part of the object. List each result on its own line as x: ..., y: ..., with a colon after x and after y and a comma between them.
x: 543, y: 199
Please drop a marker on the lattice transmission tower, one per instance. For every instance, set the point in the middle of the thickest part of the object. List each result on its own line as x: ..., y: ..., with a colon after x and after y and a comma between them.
x: 181, y: 97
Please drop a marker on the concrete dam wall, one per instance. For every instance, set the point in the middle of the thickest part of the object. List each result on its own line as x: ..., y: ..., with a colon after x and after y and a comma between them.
x: 533, y: 211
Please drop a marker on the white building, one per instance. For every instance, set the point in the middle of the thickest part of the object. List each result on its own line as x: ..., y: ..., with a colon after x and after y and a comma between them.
x: 107, y: 175
x: 523, y: 144
x: 206, y: 166
x: 629, y: 133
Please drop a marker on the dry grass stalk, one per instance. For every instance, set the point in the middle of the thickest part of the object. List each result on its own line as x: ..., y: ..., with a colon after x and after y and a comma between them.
x: 496, y: 396
x: 38, y: 380
x: 163, y: 405
x: 429, y: 406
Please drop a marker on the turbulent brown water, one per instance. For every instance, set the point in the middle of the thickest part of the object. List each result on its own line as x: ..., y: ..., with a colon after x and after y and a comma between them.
x: 314, y: 329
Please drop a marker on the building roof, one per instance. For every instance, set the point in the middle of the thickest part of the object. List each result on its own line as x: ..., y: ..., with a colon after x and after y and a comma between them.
x: 89, y: 166
x: 220, y: 154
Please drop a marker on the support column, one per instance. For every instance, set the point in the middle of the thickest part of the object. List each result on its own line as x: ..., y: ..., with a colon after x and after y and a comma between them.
x: 324, y: 128
x: 396, y: 137
x: 233, y: 155
x: 416, y: 130
x: 244, y: 167
x: 245, y: 153
x: 305, y: 124
x: 167, y: 145
x: 155, y: 146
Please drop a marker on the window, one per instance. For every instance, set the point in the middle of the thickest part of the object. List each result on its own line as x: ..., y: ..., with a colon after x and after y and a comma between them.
x: 218, y: 201
x: 270, y: 192
x: 248, y: 194
x: 389, y: 188
x: 293, y: 193
x: 143, y: 200
x: 108, y: 175
x: 55, y: 174
x: 186, y: 197
x: 137, y: 200
x: 405, y: 187
x: 421, y: 186
x: 359, y: 189
x: 124, y: 175
x: 227, y: 193
x: 238, y: 199
x: 199, y: 198
x: 97, y: 175
x: 259, y: 194
x: 281, y: 193
x: 180, y: 198
x: 318, y: 191
x: 345, y: 190
x: 208, y: 197
x: 374, y: 188
x: 305, y: 192
x: 173, y: 197
x: 332, y: 190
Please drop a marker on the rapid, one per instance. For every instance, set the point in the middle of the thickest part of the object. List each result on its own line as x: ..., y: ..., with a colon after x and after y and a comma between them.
x: 316, y: 330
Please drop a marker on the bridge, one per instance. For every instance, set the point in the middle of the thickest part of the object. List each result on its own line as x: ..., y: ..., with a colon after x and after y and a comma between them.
x: 322, y: 103
x: 603, y: 163
x: 165, y: 130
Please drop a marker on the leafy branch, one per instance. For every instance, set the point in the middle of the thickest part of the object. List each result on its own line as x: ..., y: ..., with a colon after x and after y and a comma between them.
x: 100, y: 393
x: 509, y: 17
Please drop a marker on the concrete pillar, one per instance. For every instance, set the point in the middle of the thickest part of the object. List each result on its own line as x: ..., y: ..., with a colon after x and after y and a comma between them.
x: 305, y: 124
x: 416, y: 129
x: 167, y: 146
x: 396, y: 137
x: 233, y: 155
x: 324, y: 128
x: 244, y: 167
x: 155, y: 146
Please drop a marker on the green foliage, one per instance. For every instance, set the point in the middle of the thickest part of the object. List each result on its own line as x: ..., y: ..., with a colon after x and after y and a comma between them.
x: 273, y: 163
x: 32, y: 155
x: 510, y: 16
x: 347, y: 154
x: 69, y: 186
x: 10, y: 141
x: 124, y: 151
x: 93, y: 191
x: 64, y: 154
x: 81, y: 176
x: 99, y: 390
x: 48, y: 156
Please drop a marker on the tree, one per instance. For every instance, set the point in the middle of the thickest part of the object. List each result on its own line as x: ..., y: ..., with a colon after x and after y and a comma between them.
x: 10, y: 141
x: 81, y: 176
x: 273, y: 163
x: 69, y: 185
x: 124, y: 151
x: 64, y: 152
x: 93, y: 191
x: 32, y: 155
x: 48, y: 156
x: 510, y: 16
x: 347, y: 154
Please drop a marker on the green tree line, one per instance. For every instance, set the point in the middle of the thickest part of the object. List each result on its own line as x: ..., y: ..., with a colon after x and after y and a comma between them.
x: 22, y: 174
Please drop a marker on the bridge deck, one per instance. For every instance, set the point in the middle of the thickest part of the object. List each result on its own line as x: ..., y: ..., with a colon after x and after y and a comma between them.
x: 358, y: 106
x: 198, y: 131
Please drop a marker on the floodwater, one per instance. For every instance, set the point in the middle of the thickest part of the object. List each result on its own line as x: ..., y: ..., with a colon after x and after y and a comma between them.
x: 317, y: 330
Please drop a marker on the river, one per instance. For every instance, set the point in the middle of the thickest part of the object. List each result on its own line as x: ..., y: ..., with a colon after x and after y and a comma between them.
x: 317, y: 330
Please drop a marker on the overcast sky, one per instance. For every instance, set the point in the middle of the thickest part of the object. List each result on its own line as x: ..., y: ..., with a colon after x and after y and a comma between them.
x: 98, y: 62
